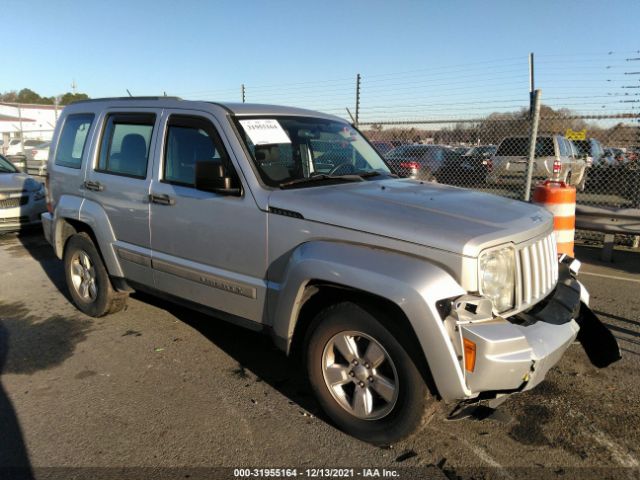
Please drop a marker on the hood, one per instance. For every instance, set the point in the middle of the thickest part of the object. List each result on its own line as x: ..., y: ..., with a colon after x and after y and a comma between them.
x: 439, y: 216
x: 12, y: 182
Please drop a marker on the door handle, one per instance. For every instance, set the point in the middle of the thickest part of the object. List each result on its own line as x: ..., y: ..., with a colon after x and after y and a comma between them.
x: 162, y: 199
x: 95, y: 186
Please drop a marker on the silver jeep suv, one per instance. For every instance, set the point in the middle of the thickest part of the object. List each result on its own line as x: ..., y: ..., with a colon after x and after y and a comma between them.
x: 396, y: 293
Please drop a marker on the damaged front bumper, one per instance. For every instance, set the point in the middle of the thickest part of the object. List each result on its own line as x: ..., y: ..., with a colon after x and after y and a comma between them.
x: 515, y: 354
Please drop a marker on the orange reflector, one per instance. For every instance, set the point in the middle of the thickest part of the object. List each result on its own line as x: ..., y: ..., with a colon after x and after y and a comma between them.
x: 469, y: 355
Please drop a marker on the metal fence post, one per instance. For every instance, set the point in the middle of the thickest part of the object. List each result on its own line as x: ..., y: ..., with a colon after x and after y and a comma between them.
x: 532, y: 143
x: 21, y: 132
x: 357, y: 100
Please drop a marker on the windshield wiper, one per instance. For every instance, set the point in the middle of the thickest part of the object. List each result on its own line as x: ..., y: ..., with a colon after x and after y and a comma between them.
x: 321, y: 178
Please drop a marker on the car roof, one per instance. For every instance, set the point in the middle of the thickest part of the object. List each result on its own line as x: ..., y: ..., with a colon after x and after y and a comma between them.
x: 236, y: 109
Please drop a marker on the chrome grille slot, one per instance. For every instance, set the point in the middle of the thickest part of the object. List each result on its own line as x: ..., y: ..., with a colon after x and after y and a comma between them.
x: 538, y: 271
x: 13, y: 202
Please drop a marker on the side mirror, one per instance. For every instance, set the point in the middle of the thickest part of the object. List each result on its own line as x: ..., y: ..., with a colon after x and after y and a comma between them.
x: 212, y: 177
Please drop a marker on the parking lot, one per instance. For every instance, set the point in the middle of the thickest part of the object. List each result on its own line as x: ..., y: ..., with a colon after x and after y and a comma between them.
x: 161, y: 386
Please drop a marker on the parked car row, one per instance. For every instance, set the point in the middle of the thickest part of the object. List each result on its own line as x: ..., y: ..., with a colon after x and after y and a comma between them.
x: 585, y: 164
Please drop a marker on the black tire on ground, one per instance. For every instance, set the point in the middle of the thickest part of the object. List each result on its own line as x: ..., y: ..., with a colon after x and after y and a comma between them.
x: 415, y: 403
x: 106, y: 300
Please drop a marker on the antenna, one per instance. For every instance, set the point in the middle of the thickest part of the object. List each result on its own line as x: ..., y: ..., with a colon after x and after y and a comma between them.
x: 128, y: 92
x: 74, y: 86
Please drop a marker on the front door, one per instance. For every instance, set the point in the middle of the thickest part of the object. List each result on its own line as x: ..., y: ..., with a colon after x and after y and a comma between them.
x: 207, y: 248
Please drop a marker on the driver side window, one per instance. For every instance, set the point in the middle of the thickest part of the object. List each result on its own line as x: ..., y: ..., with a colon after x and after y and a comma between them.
x: 189, y: 140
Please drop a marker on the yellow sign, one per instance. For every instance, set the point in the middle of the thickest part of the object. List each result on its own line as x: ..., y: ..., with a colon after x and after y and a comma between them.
x: 573, y: 135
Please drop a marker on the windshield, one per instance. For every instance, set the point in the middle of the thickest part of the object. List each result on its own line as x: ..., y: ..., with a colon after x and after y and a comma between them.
x: 6, y: 166
x: 286, y: 149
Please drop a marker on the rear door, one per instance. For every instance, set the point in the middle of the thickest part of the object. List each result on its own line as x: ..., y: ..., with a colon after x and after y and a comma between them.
x: 118, y: 185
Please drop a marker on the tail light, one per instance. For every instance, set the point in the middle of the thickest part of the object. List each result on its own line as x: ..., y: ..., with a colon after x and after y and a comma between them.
x: 410, y: 165
x: 48, y: 194
x: 489, y: 164
x: 557, y: 167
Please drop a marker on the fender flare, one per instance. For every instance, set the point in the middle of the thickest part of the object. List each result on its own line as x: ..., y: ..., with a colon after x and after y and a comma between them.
x: 412, y: 283
x: 93, y: 215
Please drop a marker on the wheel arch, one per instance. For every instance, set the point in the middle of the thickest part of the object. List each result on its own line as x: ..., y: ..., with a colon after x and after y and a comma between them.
x: 409, y: 287
x: 88, y: 217
x: 320, y: 294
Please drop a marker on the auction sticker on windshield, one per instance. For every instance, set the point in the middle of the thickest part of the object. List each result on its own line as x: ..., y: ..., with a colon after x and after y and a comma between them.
x: 265, y: 131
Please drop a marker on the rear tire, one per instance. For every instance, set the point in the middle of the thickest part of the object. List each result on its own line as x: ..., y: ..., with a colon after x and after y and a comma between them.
x: 378, y: 394
x: 87, y: 278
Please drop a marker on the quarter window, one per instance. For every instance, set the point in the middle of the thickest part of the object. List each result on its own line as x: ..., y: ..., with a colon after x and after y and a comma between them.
x: 190, y: 140
x: 125, y: 144
x: 73, y: 140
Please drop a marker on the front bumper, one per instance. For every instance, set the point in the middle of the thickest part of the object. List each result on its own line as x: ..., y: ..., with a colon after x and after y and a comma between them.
x: 515, y: 354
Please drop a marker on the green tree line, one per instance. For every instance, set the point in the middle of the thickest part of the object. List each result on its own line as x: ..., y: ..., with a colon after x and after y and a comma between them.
x: 29, y: 96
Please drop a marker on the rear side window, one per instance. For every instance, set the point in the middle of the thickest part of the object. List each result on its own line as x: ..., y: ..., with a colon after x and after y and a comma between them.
x: 190, y: 140
x: 124, y: 149
x: 544, y: 146
x: 513, y: 147
x: 73, y: 140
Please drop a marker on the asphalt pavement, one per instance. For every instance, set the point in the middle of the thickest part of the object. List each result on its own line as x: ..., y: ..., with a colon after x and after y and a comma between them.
x: 160, y: 390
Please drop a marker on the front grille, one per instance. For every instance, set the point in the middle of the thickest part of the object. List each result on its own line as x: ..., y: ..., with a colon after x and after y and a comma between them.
x: 537, y: 270
x: 13, y: 202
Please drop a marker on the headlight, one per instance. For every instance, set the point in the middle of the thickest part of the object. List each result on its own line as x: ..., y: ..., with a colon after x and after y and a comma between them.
x: 497, y: 277
x: 39, y: 194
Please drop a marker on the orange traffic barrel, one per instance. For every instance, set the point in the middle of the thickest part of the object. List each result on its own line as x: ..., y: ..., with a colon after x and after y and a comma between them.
x: 559, y: 199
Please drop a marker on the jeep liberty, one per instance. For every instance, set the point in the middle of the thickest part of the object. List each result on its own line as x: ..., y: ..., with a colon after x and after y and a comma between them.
x: 399, y: 295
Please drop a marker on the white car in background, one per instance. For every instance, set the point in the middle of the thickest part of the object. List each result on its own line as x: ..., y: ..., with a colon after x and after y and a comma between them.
x: 15, y: 146
x: 37, y: 159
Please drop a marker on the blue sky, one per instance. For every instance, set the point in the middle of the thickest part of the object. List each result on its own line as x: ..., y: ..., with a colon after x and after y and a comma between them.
x: 311, y: 51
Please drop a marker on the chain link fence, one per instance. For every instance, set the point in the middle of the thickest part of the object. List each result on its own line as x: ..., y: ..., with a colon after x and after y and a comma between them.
x: 25, y: 134
x: 598, y: 154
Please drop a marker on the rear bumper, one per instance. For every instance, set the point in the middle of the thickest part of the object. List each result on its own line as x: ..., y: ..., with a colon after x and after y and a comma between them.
x: 515, y: 354
x: 47, y: 226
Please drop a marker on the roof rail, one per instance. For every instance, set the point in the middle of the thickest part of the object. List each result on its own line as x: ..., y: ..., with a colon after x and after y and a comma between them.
x: 126, y: 98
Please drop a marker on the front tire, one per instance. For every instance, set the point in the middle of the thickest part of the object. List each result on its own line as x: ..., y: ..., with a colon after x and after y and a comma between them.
x: 364, y: 377
x: 87, y: 278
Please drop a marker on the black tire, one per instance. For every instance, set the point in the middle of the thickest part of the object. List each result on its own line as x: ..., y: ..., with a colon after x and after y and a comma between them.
x: 583, y: 183
x: 106, y: 300
x: 415, y: 404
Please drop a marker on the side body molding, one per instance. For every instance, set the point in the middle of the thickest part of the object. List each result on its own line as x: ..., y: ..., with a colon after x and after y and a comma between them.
x: 411, y: 283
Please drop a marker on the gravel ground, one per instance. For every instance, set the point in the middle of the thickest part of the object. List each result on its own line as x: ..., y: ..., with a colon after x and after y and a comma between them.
x: 158, y: 390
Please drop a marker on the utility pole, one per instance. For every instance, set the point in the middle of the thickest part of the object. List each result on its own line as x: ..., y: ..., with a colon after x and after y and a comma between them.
x: 74, y: 86
x: 242, y: 91
x: 357, y: 100
x: 532, y: 86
